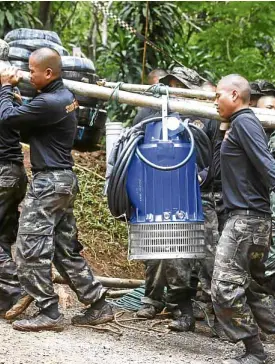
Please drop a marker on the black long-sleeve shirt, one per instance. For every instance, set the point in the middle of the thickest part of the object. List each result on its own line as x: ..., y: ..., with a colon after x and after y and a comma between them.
x: 10, y: 147
x: 247, y: 167
x: 50, y: 121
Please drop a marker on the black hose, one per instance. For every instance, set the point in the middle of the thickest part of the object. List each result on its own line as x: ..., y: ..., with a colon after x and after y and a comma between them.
x: 122, y: 153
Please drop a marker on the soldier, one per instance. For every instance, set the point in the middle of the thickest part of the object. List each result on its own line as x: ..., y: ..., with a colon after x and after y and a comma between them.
x: 177, y: 274
x: 268, y: 102
x: 47, y: 228
x: 13, y: 184
x: 145, y: 112
x: 256, y: 93
x: 155, y: 75
x: 247, y: 173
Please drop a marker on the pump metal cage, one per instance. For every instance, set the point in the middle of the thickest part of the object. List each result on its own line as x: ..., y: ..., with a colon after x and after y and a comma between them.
x: 166, y: 240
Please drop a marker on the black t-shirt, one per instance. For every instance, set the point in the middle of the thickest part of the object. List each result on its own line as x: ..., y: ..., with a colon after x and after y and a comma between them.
x: 50, y: 121
x: 247, y: 167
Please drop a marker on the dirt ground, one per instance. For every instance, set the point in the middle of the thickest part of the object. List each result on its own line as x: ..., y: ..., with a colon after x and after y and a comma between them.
x: 136, y: 344
x: 146, y: 342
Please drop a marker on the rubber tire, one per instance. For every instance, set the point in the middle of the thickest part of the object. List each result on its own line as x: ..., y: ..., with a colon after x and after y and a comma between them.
x: 86, y: 101
x: 19, y: 54
x: 90, y: 139
x: 84, y: 117
x: 80, y: 76
x: 70, y: 63
x: 27, y: 91
x: 33, y: 44
x: 24, y: 66
x: 25, y: 33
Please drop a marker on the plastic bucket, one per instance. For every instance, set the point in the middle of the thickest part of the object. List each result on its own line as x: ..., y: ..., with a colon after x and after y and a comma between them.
x: 113, y: 131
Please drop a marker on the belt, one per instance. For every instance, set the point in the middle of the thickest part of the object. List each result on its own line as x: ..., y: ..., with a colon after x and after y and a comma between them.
x: 248, y: 213
x: 51, y: 169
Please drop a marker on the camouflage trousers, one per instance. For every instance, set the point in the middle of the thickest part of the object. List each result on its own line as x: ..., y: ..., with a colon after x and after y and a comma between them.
x: 211, y: 238
x: 13, y: 184
x: 47, y: 234
x: 175, y: 274
x: 239, y: 300
x: 270, y: 261
x: 220, y: 210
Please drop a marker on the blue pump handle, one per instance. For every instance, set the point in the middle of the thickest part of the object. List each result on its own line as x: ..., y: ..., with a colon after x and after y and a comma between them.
x: 176, y: 166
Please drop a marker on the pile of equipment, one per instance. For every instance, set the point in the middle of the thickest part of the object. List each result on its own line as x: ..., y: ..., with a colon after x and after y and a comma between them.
x: 91, y: 117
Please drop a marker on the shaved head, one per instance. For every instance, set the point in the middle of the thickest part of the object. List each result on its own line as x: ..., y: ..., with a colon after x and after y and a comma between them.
x: 48, y: 58
x: 155, y: 75
x: 232, y: 95
x: 239, y: 83
x: 45, y: 66
x: 266, y: 102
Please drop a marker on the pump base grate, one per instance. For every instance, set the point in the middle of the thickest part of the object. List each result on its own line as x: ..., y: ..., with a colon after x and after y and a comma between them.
x: 166, y: 241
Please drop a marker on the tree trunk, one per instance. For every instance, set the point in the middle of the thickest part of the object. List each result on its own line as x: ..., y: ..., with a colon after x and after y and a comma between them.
x: 44, y: 14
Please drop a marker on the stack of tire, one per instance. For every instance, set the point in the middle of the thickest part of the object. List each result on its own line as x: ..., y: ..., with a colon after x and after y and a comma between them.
x: 91, y: 119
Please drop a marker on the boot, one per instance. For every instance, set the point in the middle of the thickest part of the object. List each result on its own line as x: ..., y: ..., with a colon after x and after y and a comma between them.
x: 41, y: 322
x: 183, y: 324
x: 147, y: 311
x: 218, y: 331
x: 254, y: 353
x: 98, y: 313
x: 246, y: 359
x: 19, y: 307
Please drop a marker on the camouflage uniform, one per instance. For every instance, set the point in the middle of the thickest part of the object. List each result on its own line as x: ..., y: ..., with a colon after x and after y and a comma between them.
x: 175, y: 274
x: 211, y: 238
x: 47, y: 233
x: 13, y: 183
x: 270, y: 262
x: 220, y: 210
x: 239, y: 301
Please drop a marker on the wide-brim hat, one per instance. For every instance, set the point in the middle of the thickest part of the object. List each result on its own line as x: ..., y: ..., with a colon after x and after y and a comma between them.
x: 187, y: 76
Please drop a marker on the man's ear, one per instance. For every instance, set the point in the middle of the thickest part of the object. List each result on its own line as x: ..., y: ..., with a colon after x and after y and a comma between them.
x: 48, y: 73
x: 235, y: 95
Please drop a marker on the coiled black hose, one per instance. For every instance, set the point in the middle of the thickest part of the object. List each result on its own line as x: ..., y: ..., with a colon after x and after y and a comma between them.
x: 120, y: 158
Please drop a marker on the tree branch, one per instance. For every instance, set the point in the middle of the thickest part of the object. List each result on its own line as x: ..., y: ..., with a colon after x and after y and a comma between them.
x: 69, y: 17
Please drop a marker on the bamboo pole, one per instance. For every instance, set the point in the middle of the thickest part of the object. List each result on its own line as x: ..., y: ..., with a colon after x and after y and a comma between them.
x: 183, y: 106
x: 121, y: 292
x: 106, y: 281
x: 198, y: 94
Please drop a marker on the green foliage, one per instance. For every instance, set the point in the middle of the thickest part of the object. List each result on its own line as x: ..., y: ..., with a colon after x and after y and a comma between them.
x: 214, y: 38
x: 92, y: 211
x: 72, y: 21
x: 16, y: 14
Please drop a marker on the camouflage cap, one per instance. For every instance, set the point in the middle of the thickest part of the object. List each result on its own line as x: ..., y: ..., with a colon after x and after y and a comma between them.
x: 266, y: 87
x: 187, y: 76
x: 255, y: 89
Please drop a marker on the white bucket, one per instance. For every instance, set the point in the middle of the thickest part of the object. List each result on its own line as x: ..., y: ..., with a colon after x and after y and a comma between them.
x: 113, y: 131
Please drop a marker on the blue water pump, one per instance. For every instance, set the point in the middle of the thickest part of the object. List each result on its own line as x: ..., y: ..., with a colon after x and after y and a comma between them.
x: 162, y: 186
x: 152, y: 181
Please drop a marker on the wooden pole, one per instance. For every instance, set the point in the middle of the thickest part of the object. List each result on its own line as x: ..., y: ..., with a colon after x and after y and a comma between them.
x: 183, y: 106
x: 106, y: 281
